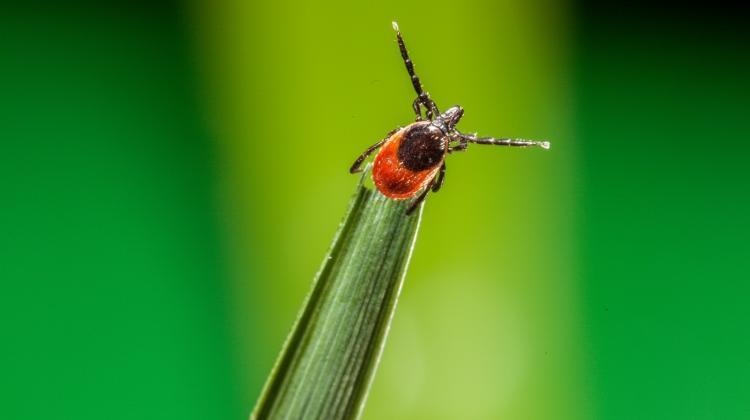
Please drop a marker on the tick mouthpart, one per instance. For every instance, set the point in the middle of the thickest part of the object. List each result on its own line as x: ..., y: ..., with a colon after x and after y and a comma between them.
x: 544, y: 144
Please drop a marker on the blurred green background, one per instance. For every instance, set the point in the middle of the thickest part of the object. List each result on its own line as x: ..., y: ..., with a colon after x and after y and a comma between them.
x: 171, y: 174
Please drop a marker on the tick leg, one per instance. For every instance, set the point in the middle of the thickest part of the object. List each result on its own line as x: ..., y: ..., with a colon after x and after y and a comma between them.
x: 422, y: 196
x: 440, y: 179
x: 408, y: 63
x: 501, y: 142
x: 423, y: 97
x: 356, y: 167
x: 431, y: 110
x: 417, y: 109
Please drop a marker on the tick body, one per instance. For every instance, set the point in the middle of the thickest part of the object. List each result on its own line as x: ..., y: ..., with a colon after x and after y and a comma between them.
x: 411, y: 159
x: 408, y: 160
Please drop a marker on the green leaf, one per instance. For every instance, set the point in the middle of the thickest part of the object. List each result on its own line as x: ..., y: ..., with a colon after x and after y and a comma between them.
x: 327, y: 364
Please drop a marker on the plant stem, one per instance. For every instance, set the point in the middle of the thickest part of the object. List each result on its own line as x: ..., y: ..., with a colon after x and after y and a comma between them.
x: 327, y: 364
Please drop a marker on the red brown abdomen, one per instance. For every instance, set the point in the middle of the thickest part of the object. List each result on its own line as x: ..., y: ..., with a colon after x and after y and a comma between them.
x: 392, y: 178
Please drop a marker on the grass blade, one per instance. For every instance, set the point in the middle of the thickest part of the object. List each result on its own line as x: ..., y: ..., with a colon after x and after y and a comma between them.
x: 329, y: 359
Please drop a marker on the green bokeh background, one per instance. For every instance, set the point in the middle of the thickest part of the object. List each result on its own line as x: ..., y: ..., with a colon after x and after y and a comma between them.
x: 171, y: 175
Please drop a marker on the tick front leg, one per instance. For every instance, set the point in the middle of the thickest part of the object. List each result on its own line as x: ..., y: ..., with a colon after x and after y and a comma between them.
x: 356, y: 167
x: 501, y: 142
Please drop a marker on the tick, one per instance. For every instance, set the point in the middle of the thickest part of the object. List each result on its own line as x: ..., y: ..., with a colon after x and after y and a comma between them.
x: 411, y: 160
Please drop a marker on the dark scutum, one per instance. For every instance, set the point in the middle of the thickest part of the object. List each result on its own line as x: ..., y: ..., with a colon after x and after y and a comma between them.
x: 422, y: 147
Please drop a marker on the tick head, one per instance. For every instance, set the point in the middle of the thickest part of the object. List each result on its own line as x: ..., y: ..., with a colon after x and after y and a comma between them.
x: 452, y: 116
